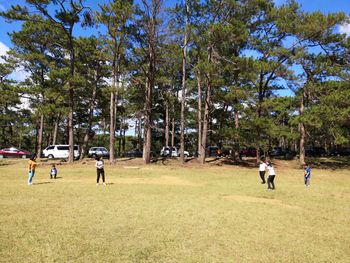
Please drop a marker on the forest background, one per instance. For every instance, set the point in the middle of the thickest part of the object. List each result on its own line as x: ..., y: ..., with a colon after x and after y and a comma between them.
x: 236, y: 74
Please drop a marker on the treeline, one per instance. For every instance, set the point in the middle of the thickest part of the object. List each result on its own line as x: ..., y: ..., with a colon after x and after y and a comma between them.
x: 243, y: 73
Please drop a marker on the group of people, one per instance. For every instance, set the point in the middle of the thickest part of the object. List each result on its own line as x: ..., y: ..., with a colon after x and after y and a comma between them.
x: 267, y: 165
x: 53, y: 171
x: 263, y: 166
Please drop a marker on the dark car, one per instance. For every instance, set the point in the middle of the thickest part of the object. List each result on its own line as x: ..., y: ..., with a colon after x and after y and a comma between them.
x: 248, y: 152
x: 315, y: 152
x: 14, y: 153
x: 212, y: 151
x: 97, y: 152
x: 340, y: 152
x: 281, y: 152
x: 134, y: 153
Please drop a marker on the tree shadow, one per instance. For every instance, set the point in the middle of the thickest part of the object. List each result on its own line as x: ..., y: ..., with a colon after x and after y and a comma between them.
x: 333, y: 163
x: 250, y: 163
x: 213, y: 160
x: 125, y: 159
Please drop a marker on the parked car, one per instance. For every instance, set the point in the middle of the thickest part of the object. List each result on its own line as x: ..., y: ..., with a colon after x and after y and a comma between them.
x: 167, y: 151
x: 281, y: 152
x: 134, y: 153
x: 13, y: 152
x: 60, y: 151
x: 248, y: 152
x: 340, y: 152
x: 315, y: 152
x: 97, y: 152
x: 216, y: 151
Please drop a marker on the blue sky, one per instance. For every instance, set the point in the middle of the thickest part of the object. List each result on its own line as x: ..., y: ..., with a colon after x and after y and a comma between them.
x: 325, y: 6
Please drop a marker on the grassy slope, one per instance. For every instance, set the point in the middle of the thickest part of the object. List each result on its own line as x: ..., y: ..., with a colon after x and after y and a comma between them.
x: 170, y: 214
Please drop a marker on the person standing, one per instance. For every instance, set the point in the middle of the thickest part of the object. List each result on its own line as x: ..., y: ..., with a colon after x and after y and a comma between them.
x: 31, y: 169
x: 307, y: 175
x: 262, y: 169
x: 100, y: 170
x: 271, y: 178
x: 53, y: 172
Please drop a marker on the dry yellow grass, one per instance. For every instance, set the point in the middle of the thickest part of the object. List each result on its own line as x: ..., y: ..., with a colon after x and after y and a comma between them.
x: 169, y: 213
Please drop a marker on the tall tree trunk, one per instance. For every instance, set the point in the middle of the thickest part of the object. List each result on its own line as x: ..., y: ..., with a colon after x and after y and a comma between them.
x: 139, y: 132
x: 112, y: 114
x: 123, y: 145
x: 120, y: 138
x: 36, y: 137
x: 71, y: 101
x: 87, y: 135
x: 166, y: 123
x: 173, y: 132
x: 302, y: 129
x: 205, y: 122
x: 236, y: 148
x: 206, y: 110
x: 40, y: 136
x: 183, y: 95
x: 70, y: 128
x: 199, y: 87
x: 147, y: 128
x: 55, y: 130
x: 136, y: 124
x: 151, y: 71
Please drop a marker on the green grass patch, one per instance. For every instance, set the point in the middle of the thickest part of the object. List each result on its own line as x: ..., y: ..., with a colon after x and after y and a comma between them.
x: 158, y: 213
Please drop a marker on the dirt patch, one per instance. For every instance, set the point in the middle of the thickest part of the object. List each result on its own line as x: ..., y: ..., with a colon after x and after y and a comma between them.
x: 164, y: 180
x: 252, y: 199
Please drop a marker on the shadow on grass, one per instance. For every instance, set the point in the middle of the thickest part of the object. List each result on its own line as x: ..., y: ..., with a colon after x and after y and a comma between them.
x: 333, y: 163
x: 42, y: 183
x: 249, y: 163
x: 167, y: 160
x: 125, y: 159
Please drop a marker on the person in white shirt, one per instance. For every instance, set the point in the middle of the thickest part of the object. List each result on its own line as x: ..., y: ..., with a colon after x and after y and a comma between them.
x: 271, y: 178
x: 262, y: 169
x: 100, y: 170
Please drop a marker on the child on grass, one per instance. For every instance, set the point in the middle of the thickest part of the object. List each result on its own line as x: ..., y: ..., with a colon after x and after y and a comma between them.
x: 100, y: 170
x: 53, y: 172
x: 307, y: 175
x: 31, y: 169
x: 262, y: 169
x: 271, y: 178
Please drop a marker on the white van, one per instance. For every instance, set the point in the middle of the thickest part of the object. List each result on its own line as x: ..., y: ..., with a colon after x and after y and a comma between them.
x: 60, y: 151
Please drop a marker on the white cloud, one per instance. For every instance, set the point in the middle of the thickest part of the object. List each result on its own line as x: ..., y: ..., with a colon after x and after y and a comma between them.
x: 3, y: 50
x: 345, y: 29
x: 19, y: 74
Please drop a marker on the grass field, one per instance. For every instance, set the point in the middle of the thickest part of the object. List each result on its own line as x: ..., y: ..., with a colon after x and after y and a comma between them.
x: 168, y: 213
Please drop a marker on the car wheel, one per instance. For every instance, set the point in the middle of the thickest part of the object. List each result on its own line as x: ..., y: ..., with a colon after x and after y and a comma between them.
x: 94, y: 156
x: 24, y: 156
x: 50, y: 156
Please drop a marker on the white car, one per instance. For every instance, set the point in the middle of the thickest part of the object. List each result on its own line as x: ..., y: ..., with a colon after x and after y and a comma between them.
x: 60, y: 151
x: 167, y: 151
